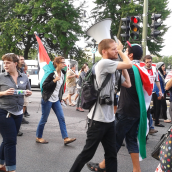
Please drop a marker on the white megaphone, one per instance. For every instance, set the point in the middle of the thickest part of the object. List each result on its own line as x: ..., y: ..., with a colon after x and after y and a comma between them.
x: 100, y: 30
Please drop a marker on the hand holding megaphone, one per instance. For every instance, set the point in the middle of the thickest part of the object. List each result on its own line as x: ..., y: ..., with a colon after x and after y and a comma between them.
x: 119, y: 46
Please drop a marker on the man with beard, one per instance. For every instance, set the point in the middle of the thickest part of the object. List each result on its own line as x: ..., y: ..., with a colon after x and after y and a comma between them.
x: 154, y: 80
x: 127, y: 117
x: 103, y: 127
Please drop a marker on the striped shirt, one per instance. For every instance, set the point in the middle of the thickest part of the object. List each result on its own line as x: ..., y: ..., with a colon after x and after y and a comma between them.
x: 13, y: 103
x: 105, y: 113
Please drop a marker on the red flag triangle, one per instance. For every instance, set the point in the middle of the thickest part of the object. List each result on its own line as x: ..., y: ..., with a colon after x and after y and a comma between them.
x: 43, y: 56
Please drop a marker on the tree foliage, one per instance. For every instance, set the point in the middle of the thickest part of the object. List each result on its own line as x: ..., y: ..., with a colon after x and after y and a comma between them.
x: 57, y: 22
x: 167, y: 60
x: 117, y: 9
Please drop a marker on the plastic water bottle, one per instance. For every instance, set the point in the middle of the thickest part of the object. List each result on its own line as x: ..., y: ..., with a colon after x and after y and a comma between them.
x: 20, y: 92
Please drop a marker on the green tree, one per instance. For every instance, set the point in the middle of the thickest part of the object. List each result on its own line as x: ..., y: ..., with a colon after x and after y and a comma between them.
x: 117, y: 9
x: 57, y: 23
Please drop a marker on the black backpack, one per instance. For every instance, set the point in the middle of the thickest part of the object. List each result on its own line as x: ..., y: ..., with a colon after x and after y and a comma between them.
x: 89, y: 94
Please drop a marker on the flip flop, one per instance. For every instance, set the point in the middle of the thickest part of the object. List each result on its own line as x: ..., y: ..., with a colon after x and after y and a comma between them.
x: 42, y: 142
x: 167, y: 121
x: 71, y: 105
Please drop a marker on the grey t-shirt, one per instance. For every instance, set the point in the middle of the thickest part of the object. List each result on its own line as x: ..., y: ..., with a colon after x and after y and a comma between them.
x: 13, y: 103
x: 105, y: 113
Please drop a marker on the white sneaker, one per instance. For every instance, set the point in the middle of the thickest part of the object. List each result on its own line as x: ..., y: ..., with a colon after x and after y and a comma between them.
x: 63, y: 103
x: 74, y: 102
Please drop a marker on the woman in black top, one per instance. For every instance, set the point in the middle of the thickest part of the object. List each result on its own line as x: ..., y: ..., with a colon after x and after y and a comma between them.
x: 53, y: 88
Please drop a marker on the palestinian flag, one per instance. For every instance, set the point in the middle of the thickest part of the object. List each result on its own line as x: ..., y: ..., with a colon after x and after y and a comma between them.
x: 46, y: 65
x: 168, y: 77
x: 144, y: 91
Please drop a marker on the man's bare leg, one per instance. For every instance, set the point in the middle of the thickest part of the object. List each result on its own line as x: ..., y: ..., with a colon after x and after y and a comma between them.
x: 24, y: 109
x: 136, y: 163
x: 69, y: 98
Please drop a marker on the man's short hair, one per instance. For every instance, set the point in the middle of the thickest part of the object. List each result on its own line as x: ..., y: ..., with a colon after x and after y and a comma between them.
x: 137, y: 51
x: 105, y: 44
x: 147, y: 57
x: 72, y: 65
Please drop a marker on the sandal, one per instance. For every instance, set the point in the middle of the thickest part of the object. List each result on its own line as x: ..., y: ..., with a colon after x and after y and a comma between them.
x: 3, y: 168
x: 40, y: 140
x: 167, y: 121
x: 71, y: 105
x: 93, y: 166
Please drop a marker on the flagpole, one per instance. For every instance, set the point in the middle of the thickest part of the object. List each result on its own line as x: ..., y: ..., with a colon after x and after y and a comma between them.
x: 38, y: 54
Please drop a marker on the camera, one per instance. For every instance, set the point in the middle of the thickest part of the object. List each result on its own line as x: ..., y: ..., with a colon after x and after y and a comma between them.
x: 105, y: 100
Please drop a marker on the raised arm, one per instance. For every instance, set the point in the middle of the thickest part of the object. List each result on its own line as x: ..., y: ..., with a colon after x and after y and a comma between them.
x: 126, y: 63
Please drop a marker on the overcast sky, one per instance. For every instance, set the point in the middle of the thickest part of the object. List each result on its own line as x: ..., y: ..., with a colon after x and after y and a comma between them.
x: 167, y: 50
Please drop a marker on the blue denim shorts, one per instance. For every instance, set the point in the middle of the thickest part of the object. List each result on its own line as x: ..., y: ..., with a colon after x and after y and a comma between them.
x: 127, y: 127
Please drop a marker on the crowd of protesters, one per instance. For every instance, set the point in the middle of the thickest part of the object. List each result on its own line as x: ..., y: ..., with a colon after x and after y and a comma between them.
x: 109, y: 129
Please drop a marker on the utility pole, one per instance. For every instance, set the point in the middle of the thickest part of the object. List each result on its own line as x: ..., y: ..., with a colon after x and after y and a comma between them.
x: 145, y: 23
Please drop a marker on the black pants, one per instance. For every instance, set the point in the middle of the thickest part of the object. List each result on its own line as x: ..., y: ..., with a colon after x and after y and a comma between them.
x: 158, y: 104
x: 98, y: 132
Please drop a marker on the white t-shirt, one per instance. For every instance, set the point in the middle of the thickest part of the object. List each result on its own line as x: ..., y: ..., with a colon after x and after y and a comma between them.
x: 105, y: 113
x: 55, y: 96
x: 153, y: 75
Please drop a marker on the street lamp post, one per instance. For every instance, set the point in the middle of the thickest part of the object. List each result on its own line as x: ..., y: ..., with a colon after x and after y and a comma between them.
x: 145, y: 22
x: 94, y: 50
x: 92, y: 43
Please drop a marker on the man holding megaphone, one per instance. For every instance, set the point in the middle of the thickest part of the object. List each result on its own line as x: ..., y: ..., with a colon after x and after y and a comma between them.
x: 103, y: 126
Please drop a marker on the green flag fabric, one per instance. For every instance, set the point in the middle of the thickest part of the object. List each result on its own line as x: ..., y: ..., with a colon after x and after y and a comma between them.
x: 143, y: 113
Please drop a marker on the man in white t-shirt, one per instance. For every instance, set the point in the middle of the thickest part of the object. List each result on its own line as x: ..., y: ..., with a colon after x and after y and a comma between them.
x: 154, y: 80
x: 103, y: 126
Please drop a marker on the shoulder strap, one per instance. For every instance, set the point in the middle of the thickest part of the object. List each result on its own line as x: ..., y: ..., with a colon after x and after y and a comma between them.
x: 99, y: 90
x: 105, y: 81
x: 119, y: 82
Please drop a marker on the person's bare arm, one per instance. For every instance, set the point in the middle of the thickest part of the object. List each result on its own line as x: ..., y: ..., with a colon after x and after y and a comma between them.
x: 126, y: 64
x: 71, y: 76
x: 169, y: 84
x: 127, y: 82
x: 7, y: 92
x: 159, y: 87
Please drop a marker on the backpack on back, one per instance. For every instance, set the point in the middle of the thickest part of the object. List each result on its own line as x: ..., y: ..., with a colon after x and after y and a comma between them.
x: 89, y: 94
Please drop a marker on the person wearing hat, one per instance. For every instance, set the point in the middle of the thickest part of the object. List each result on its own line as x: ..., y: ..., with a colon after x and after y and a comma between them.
x: 158, y: 101
x: 127, y: 118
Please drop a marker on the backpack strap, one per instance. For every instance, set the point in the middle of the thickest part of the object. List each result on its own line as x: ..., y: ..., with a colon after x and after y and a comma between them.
x: 99, y: 90
x: 119, y: 82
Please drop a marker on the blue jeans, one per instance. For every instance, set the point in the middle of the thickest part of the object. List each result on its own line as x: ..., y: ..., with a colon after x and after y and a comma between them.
x: 57, y: 108
x: 127, y: 127
x: 151, y: 122
x: 9, y: 128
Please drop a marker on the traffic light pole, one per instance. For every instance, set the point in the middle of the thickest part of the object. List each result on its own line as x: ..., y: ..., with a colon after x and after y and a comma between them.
x: 145, y: 23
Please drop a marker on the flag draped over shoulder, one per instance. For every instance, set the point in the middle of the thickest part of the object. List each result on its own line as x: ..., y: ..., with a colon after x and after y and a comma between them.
x: 168, y: 77
x: 46, y: 65
x: 144, y: 91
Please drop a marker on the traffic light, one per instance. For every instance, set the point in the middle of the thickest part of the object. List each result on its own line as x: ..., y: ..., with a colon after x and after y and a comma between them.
x: 155, y: 25
x: 126, y: 27
x: 135, y: 20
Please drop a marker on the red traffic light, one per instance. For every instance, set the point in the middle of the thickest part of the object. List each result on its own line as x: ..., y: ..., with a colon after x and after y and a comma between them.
x: 135, y: 19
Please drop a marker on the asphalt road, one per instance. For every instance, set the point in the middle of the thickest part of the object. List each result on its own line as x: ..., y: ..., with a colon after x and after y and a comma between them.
x: 55, y: 157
